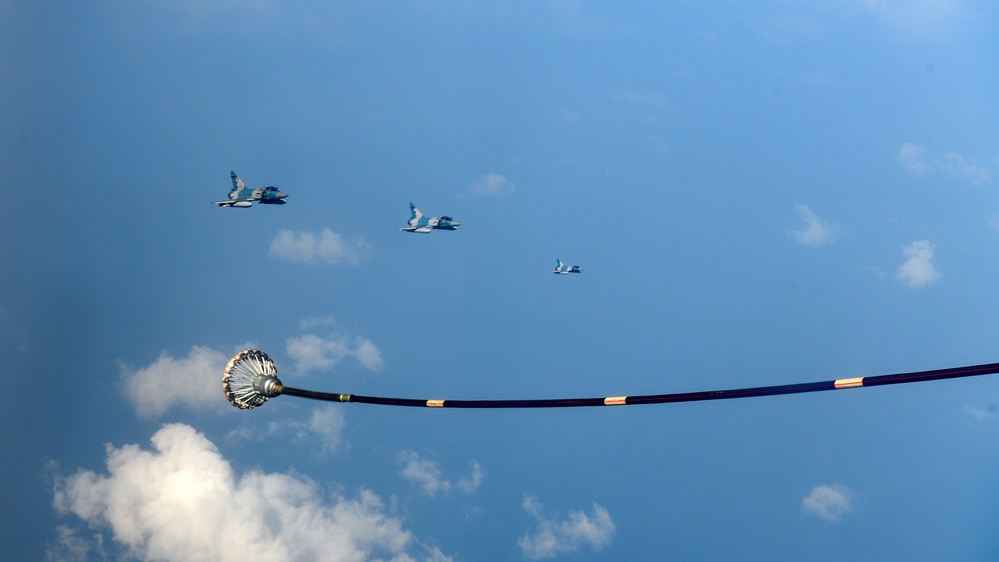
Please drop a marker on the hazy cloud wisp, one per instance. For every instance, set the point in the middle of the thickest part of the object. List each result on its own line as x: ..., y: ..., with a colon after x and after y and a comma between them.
x: 815, y: 232
x: 554, y: 537
x: 427, y: 474
x: 915, y: 159
x: 828, y: 501
x: 912, y: 158
x: 327, y: 247
x: 492, y: 185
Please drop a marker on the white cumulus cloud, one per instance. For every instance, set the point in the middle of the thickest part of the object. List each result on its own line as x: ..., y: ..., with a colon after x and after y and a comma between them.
x: 554, y: 537
x: 428, y: 476
x: 915, y: 159
x: 918, y: 270
x: 192, y: 381
x: 311, y: 352
x: 327, y: 247
x: 829, y: 501
x: 182, y: 501
x: 492, y: 185
x: 816, y: 231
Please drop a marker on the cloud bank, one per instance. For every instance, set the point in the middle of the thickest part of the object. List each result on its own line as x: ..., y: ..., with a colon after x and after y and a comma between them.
x: 918, y: 270
x: 327, y: 247
x: 828, y: 501
x: 427, y: 474
x: 192, y: 381
x: 815, y: 232
x: 182, y: 501
x: 554, y: 537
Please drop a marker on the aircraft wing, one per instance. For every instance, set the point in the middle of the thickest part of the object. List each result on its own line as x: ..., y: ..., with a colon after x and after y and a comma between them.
x: 231, y: 203
x: 421, y: 229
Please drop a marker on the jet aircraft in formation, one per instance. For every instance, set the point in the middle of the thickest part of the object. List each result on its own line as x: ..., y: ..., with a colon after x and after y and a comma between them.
x: 419, y: 223
x: 242, y: 196
x: 563, y: 270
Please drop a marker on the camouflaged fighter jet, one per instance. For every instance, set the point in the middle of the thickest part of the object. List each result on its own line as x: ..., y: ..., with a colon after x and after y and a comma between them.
x: 242, y: 196
x: 419, y: 223
x: 561, y: 268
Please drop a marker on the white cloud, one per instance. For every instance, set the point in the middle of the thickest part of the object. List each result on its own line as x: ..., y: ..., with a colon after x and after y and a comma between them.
x: 311, y: 352
x: 182, y: 501
x: 651, y: 107
x: 815, y: 232
x: 327, y: 424
x: 424, y: 472
x: 427, y: 474
x: 325, y: 427
x: 915, y: 160
x: 313, y: 323
x: 828, y: 501
x: 993, y: 220
x: 569, y: 116
x: 554, y: 537
x: 979, y: 414
x: 653, y: 101
x: 492, y: 185
x: 916, y: 17
x: 69, y: 546
x: 963, y: 168
x: 368, y: 355
x: 192, y: 381
x: 918, y: 270
x: 786, y: 28
x: 877, y: 271
x: 471, y: 484
x: 326, y: 247
x: 912, y: 157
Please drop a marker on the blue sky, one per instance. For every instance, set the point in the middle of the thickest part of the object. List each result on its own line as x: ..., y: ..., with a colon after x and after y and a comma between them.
x: 759, y: 193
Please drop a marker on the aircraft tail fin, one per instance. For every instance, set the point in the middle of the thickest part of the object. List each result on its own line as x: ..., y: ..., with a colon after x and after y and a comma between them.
x: 414, y: 213
x: 237, y: 184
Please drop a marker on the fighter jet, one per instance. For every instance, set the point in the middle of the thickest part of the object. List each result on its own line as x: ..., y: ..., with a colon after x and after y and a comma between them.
x: 561, y: 269
x: 417, y: 222
x: 242, y: 196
